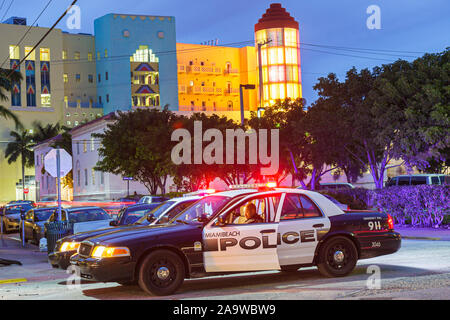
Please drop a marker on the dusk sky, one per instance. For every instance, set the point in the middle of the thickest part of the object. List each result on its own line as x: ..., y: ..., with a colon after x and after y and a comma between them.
x: 406, y: 25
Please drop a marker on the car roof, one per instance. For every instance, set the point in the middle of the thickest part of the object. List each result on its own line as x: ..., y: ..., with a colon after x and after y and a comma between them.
x: 81, y: 208
x: 234, y: 193
x: 188, y: 198
x: 142, y: 205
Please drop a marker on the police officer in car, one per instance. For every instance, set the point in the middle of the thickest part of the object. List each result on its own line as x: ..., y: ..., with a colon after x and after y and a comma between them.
x: 251, y: 215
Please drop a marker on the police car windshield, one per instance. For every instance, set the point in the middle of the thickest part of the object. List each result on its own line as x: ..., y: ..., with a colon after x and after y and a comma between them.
x: 156, y: 212
x: 208, y: 206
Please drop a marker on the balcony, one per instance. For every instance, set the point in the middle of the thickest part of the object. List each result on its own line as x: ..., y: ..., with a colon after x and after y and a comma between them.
x: 232, y: 91
x: 194, y: 90
x: 181, y: 68
x: 218, y: 91
x: 182, y: 89
x: 208, y: 90
x: 231, y: 72
x: 195, y: 68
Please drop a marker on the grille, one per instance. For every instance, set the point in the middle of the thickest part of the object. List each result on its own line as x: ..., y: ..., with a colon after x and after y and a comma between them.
x: 85, y: 249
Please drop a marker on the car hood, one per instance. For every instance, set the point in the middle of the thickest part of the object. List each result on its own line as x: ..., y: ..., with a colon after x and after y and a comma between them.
x: 135, y: 233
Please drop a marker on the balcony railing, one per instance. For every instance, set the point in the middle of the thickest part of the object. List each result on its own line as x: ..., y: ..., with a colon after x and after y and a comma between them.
x: 181, y: 68
x: 194, y: 90
x: 182, y: 89
x: 232, y: 91
x: 232, y: 72
x: 208, y: 90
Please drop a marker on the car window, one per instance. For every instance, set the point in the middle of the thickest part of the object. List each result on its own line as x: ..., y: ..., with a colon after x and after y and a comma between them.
x: 418, y: 180
x: 42, y: 215
x: 292, y: 208
x: 445, y: 179
x: 435, y: 180
x: 206, y: 207
x: 87, y: 215
x: 403, y: 181
x: 310, y: 210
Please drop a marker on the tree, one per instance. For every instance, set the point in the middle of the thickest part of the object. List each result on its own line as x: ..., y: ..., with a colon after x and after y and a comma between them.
x: 45, y: 132
x: 138, y: 144
x: 21, y: 147
x: 419, y: 90
x: 7, y: 78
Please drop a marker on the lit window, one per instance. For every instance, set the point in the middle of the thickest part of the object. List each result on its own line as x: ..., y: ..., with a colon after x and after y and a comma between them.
x: 77, y: 55
x: 98, y: 55
x: 44, y: 54
x: 66, y: 101
x: 45, y: 100
x: 89, y: 56
x: 76, y: 123
x: 32, y: 55
x: 67, y: 114
x: 84, y: 146
x: 106, y: 53
x: 64, y: 54
x: 68, y: 123
x: 66, y: 78
x: 290, y: 37
x: 90, y: 78
x: 93, y: 176
x: 14, y: 52
x: 78, y: 103
x: 77, y: 77
x: 144, y: 54
x: 276, y: 74
x: 291, y: 56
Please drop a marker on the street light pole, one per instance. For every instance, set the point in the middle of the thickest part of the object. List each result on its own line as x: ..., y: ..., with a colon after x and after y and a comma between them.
x: 241, y: 96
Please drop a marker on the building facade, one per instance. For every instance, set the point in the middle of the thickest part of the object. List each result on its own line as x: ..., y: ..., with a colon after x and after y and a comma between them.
x: 134, y: 61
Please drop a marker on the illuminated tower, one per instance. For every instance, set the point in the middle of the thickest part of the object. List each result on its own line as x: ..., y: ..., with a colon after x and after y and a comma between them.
x: 280, y: 57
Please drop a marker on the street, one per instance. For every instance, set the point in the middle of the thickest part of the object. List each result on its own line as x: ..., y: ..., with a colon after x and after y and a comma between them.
x: 420, y: 270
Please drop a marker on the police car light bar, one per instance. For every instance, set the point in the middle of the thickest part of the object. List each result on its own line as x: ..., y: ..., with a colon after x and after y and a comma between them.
x: 253, y: 185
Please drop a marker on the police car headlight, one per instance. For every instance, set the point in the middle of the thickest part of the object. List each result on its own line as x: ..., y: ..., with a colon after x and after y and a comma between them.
x: 110, y: 252
x: 69, y: 246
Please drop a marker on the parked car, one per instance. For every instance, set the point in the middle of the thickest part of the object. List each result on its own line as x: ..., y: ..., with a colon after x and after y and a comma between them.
x: 68, y: 246
x: 34, y: 223
x: 152, y: 199
x: 418, y: 179
x: 131, y: 214
x: 335, y: 186
x: 209, y: 238
x: 22, y: 201
x: 10, y: 216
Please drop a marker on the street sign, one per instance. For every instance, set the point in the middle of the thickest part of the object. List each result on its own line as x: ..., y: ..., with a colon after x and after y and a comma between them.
x: 51, y: 165
x: 127, y: 178
x: 26, y: 190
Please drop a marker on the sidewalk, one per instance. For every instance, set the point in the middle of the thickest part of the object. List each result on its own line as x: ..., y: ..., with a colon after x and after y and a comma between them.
x: 35, y: 266
x: 423, y: 233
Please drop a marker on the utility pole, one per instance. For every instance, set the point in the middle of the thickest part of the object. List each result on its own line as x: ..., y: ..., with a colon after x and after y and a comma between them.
x: 261, y: 89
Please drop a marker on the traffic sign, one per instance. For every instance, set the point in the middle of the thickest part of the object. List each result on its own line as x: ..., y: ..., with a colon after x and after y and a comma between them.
x: 127, y: 178
x: 50, y: 163
x: 26, y: 190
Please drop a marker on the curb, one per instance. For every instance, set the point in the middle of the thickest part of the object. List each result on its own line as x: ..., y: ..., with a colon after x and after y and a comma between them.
x: 9, y: 281
x: 421, y: 238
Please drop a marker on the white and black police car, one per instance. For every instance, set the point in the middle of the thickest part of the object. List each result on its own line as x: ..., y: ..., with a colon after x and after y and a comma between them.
x: 239, y: 231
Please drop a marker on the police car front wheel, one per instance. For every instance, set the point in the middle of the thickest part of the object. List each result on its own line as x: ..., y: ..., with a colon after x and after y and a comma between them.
x: 337, y: 257
x: 161, y: 273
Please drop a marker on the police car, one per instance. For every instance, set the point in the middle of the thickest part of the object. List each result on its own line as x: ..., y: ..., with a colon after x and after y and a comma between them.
x: 239, y: 231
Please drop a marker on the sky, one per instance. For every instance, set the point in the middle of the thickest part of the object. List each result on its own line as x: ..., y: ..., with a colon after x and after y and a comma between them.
x: 409, y: 28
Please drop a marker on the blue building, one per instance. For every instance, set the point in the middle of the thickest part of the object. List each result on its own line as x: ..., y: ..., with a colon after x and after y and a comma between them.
x: 136, y: 62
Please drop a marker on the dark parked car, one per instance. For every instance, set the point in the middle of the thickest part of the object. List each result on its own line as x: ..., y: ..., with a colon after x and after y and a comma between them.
x: 10, y: 216
x: 131, y: 214
x: 152, y: 199
x: 34, y: 223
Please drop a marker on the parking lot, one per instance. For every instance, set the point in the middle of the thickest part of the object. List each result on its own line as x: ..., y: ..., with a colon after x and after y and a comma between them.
x: 420, y: 270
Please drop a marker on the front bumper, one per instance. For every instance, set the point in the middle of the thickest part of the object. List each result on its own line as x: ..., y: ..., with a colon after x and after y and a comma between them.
x: 378, y: 244
x: 61, y: 259
x: 105, y: 270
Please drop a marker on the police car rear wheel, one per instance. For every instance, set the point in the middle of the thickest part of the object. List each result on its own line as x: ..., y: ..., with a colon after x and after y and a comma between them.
x: 161, y: 273
x: 338, y: 257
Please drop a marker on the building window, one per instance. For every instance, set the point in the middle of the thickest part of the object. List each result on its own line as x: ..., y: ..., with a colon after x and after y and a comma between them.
x: 84, y: 146
x: 106, y: 75
x: 191, y: 83
x: 106, y: 53
x: 32, y: 55
x: 90, y: 78
x: 66, y: 101
x: 100, y: 99
x: 78, y: 147
x: 77, y: 55
x: 93, y: 176
x: 99, y: 77
x: 78, y: 103
x: 230, y: 105
x: 64, y: 54
x: 76, y: 123
x: 68, y: 123
x: 44, y: 54
x: 47, y: 183
x: 89, y: 56
x: 92, y: 144
x: 67, y: 114
x: 14, y: 52
x: 102, y: 177
x: 107, y: 98
x: 66, y: 78
x: 77, y: 77
x: 78, y: 178
x: 85, y: 177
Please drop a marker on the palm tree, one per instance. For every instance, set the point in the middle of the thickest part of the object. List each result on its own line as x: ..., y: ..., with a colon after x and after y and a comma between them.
x: 21, y: 147
x: 42, y: 133
x: 7, y: 78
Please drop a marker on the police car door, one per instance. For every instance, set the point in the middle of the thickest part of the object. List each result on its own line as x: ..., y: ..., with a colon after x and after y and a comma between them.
x: 301, y: 226
x: 232, y: 243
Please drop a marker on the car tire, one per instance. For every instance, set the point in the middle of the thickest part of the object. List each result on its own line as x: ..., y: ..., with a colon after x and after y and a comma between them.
x: 290, y: 268
x: 161, y: 273
x: 337, y: 257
